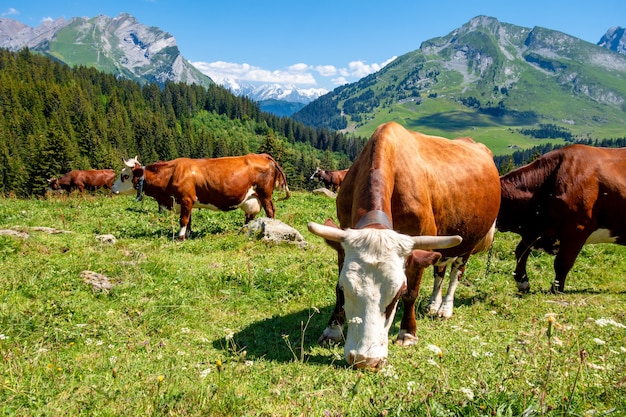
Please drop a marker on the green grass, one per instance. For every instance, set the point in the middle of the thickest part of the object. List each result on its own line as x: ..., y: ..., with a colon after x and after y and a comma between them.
x: 214, y: 325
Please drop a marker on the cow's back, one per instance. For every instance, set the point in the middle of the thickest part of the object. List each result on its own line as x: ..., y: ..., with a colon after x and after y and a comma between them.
x: 430, y: 185
x: 576, y: 183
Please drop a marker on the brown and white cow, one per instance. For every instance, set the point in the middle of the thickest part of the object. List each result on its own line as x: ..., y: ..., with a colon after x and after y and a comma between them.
x: 223, y: 184
x: 91, y: 179
x: 561, y: 201
x: 404, y: 184
x: 330, y: 179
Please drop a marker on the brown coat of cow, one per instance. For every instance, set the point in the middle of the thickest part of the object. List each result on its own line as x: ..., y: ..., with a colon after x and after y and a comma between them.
x: 419, y: 185
x: 90, y: 179
x: 224, y: 184
x: 561, y: 201
x: 330, y: 179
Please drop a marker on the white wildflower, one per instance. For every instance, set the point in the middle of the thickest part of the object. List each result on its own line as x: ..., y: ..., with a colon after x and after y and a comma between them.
x: 113, y: 360
x: 488, y: 354
x: 599, y: 341
x: 475, y: 354
x: 229, y: 335
x: 204, y: 373
x: 468, y: 393
x: 605, y: 322
x: 249, y: 363
x: 435, y: 349
x: 410, y: 387
x: 99, y: 343
x: 432, y: 362
x: 355, y: 320
x: 3, y: 336
x: 185, y: 330
x: 389, y: 372
x: 88, y: 341
x: 81, y: 325
x: 623, y: 349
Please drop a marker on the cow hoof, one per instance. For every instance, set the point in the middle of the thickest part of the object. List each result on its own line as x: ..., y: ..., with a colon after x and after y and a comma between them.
x: 405, y: 339
x: 330, y: 336
x: 432, y: 309
x: 523, y: 287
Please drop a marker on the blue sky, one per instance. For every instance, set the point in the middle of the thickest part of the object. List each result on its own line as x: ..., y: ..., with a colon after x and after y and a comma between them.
x: 323, y: 43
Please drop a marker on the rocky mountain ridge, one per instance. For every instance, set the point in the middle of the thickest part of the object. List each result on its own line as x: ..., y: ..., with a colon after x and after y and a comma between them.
x: 119, y: 45
x: 486, y: 71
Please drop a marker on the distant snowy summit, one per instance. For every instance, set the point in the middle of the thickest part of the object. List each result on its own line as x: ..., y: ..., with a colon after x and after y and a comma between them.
x: 263, y: 92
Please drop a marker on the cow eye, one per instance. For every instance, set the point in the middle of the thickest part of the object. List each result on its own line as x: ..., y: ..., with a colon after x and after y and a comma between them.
x: 125, y: 177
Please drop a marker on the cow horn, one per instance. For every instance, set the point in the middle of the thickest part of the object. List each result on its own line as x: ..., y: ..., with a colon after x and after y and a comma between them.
x: 435, y: 242
x: 131, y: 162
x: 327, y: 232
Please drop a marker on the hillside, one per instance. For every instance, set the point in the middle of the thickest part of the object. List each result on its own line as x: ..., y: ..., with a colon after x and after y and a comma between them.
x: 54, y: 118
x: 120, y: 46
x: 487, y: 80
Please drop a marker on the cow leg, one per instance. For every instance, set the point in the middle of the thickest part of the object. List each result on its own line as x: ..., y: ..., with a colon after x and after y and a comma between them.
x: 185, y: 219
x: 447, y: 305
x: 564, y: 261
x: 265, y: 199
x: 415, y: 265
x: 522, y: 251
x: 334, y: 331
x: 435, y: 298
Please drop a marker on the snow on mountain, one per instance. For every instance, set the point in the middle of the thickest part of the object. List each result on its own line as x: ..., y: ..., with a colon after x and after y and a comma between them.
x: 289, y: 93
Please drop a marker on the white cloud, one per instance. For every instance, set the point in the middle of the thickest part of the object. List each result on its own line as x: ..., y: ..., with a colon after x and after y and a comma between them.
x: 47, y: 19
x: 326, y: 70
x: 300, y: 74
x: 339, y: 81
x: 10, y: 12
x: 220, y: 70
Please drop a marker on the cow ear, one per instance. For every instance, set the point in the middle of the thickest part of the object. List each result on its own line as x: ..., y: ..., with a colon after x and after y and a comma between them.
x: 435, y: 242
x: 327, y: 232
x: 138, y: 172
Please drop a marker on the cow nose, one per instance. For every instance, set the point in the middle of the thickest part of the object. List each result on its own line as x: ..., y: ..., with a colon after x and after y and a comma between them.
x: 360, y: 361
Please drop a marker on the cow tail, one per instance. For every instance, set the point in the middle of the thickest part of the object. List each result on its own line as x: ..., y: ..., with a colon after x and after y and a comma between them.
x: 280, y: 179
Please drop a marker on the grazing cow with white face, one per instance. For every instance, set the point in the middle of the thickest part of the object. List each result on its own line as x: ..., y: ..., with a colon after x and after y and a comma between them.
x: 404, y: 187
x: 223, y: 184
x: 569, y: 197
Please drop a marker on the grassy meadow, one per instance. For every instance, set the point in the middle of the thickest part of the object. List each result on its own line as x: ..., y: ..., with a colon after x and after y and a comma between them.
x: 225, y: 325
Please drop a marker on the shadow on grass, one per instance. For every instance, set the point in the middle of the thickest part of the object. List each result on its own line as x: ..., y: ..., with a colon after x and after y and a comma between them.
x: 154, y: 223
x: 461, y: 120
x: 279, y: 339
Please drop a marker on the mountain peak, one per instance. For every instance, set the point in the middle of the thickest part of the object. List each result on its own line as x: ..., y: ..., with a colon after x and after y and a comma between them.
x: 119, y: 45
x: 614, y: 39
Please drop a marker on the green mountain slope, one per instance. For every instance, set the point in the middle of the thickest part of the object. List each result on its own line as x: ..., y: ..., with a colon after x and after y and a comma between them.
x: 487, y: 80
x: 124, y: 47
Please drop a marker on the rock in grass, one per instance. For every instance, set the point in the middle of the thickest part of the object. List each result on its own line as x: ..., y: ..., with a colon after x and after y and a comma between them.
x: 98, y: 282
x: 275, y: 231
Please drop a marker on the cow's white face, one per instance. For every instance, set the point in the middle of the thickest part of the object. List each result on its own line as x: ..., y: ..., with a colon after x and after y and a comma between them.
x: 372, y: 279
x: 123, y: 185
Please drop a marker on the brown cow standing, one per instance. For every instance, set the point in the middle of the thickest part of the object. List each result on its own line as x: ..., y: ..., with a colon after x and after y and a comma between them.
x: 224, y: 184
x: 330, y: 179
x: 90, y: 179
x: 405, y: 184
x: 565, y: 199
